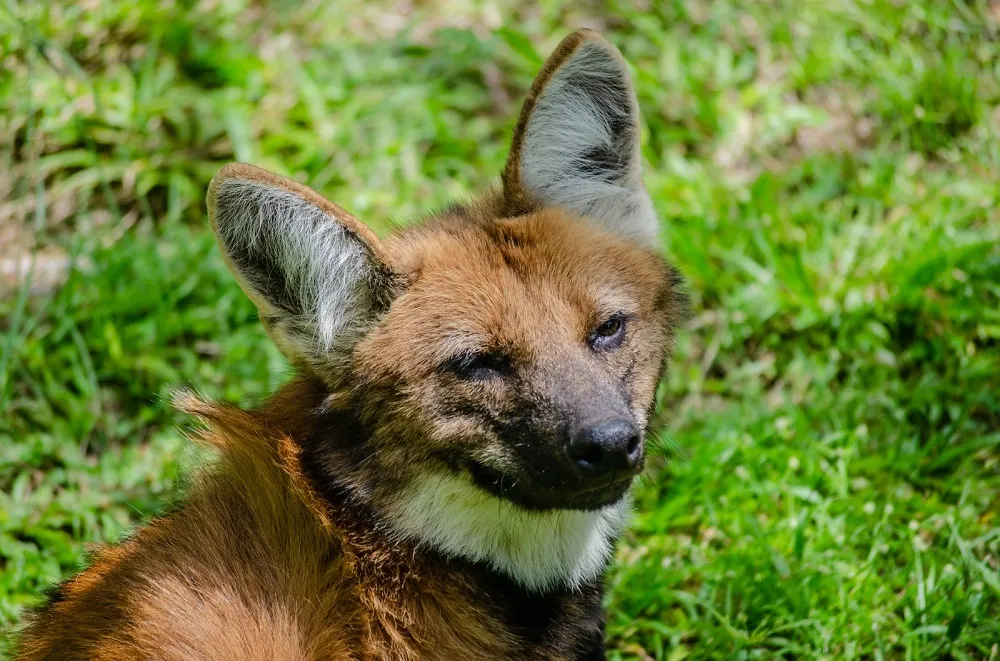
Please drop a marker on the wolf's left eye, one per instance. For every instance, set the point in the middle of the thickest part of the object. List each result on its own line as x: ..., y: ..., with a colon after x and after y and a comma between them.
x: 609, y: 334
x: 477, y: 366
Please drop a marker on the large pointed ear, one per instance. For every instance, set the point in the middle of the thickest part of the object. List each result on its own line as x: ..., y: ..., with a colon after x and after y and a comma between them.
x: 576, y: 144
x: 317, y: 275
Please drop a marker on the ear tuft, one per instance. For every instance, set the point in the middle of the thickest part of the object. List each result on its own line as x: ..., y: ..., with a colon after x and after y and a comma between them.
x: 316, y: 274
x: 577, y: 141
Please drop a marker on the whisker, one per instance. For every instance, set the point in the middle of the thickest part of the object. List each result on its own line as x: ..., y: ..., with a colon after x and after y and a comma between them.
x: 666, y: 448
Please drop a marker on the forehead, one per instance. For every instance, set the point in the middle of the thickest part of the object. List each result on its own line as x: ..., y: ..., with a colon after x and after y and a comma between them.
x: 541, y: 276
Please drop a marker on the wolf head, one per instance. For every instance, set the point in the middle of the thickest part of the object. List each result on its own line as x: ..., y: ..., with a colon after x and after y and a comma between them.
x: 497, y: 363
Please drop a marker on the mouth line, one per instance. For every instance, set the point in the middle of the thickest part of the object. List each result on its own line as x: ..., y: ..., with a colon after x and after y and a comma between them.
x: 505, y: 486
x: 491, y: 480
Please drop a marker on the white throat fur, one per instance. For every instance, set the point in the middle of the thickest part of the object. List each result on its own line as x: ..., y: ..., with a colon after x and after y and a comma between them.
x: 539, y: 550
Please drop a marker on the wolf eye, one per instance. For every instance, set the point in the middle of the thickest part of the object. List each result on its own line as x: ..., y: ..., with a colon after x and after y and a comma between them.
x: 476, y: 366
x: 610, y: 327
x: 609, y: 334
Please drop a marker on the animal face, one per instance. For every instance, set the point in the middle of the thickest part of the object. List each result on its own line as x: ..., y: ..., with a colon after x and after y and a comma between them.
x: 499, y: 357
x: 525, y: 351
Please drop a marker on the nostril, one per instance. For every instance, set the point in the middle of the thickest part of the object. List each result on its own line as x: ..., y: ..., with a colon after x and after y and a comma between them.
x: 588, y: 455
x: 632, y: 449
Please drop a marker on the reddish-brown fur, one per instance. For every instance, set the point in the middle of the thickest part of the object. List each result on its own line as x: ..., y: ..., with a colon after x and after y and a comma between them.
x: 275, y: 555
x: 254, y: 567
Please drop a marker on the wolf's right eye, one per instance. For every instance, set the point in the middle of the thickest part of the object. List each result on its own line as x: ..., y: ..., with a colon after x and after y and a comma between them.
x: 477, y: 366
x: 609, y: 334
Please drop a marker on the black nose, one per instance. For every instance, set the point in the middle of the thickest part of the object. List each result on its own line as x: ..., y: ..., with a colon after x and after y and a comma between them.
x: 605, y: 447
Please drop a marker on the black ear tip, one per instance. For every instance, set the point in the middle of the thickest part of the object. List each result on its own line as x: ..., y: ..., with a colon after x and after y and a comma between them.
x: 234, y: 171
x: 244, y: 172
x: 586, y: 34
x: 597, y: 43
x: 226, y: 175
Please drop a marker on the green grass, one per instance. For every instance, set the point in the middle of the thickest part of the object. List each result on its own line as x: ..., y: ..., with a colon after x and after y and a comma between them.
x: 828, y: 174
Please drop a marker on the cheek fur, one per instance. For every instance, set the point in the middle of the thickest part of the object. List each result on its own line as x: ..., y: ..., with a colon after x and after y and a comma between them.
x: 454, y: 421
x: 642, y: 369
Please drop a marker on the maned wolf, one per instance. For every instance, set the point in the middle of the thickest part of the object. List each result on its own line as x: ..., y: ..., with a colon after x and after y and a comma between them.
x: 448, y: 473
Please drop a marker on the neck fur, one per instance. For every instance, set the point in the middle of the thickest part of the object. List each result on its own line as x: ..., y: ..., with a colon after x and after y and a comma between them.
x: 539, y: 550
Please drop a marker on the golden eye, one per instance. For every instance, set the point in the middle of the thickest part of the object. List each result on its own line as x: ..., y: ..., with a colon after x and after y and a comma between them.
x: 610, y: 327
x: 609, y: 334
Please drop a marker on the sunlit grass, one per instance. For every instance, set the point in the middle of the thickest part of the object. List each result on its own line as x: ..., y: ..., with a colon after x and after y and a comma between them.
x: 828, y: 176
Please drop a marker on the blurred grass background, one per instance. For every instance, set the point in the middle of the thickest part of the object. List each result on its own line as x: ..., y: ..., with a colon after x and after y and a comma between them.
x: 828, y: 175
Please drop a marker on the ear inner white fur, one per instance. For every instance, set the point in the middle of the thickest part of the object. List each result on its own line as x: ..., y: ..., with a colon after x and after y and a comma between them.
x: 308, y: 274
x: 580, y: 150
